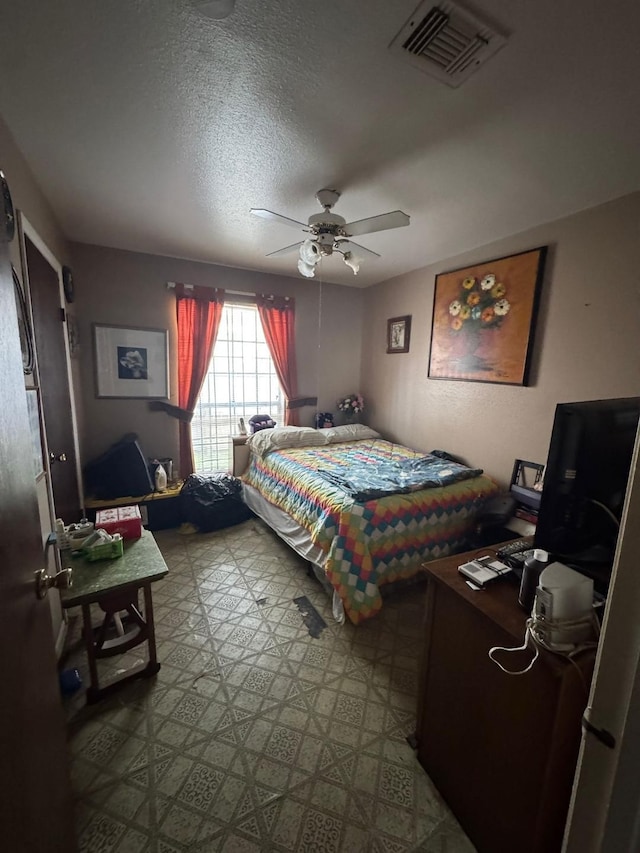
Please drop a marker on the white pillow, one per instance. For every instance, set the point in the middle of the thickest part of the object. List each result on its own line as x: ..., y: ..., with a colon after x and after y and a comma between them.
x: 280, y: 438
x: 349, y: 432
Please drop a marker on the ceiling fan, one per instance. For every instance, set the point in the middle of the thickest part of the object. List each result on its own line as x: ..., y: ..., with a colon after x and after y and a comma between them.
x: 330, y: 233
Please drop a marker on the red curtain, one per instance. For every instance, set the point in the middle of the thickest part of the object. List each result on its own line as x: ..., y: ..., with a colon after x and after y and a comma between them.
x: 199, y: 311
x: 277, y: 315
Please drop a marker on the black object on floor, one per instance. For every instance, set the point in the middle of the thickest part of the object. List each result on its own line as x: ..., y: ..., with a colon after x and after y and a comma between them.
x: 212, y: 503
x: 310, y: 616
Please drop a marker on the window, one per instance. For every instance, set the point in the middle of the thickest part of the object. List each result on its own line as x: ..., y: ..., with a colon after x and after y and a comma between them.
x: 241, y: 382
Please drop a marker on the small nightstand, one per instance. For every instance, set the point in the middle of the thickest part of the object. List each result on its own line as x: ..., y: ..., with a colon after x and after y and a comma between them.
x: 240, y: 454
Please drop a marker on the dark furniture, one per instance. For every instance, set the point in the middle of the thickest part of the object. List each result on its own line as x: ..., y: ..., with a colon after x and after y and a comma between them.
x: 115, y: 586
x: 500, y: 749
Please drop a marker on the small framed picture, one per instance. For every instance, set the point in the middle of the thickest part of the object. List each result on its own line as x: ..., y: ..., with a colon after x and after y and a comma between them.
x: 398, y: 334
x: 131, y: 362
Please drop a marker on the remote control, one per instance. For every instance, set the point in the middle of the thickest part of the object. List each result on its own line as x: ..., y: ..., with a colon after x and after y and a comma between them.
x: 517, y: 546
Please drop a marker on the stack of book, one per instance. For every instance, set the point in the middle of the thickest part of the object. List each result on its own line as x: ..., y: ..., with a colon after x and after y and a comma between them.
x: 526, y: 489
x: 527, y: 513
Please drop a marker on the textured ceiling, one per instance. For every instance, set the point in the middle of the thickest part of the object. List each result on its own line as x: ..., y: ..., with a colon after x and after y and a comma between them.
x: 154, y: 129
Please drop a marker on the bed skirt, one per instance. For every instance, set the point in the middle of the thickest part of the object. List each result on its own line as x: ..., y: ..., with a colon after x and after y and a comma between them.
x: 297, y: 538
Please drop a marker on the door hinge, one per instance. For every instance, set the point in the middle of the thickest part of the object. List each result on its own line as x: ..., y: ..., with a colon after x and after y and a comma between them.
x: 63, y: 315
x: 602, y: 735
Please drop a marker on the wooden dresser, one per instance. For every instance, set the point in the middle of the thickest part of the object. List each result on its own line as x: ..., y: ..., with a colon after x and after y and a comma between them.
x: 501, y: 749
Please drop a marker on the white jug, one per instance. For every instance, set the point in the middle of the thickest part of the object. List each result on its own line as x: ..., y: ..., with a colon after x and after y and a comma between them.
x: 161, y: 479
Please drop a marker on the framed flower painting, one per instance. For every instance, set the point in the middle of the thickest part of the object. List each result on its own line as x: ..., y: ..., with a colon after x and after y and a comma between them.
x: 484, y: 317
x: 131, y: 362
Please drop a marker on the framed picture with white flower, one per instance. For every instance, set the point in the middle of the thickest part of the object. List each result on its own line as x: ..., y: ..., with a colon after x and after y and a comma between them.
x: 484, y: 317
x: 131, y: 362
x: 398, y: 334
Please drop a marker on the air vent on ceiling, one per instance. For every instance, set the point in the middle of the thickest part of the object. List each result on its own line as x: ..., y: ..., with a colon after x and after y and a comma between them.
x: 446, y: 41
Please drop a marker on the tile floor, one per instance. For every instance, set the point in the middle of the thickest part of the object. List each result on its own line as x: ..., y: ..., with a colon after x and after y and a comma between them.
x: 254, y: 736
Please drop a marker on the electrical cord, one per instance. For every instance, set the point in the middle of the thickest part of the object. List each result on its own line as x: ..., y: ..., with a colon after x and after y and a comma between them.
x: 606, y: 510
x: 539, y: 630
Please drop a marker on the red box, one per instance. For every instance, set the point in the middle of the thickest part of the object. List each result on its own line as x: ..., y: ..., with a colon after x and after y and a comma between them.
x: 124, y: 520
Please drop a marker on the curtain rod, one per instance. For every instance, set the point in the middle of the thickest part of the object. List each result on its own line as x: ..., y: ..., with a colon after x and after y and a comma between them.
x: 171, y: 286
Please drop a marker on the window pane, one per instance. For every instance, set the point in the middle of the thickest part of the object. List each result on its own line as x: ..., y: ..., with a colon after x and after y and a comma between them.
x: 249, y: 352
x: 241, y: 382
x: 239, y: 395
x: 222, y: 364
x: 264, y: 388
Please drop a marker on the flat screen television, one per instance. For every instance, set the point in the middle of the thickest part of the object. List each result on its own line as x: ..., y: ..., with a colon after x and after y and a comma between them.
x: 585, y: 483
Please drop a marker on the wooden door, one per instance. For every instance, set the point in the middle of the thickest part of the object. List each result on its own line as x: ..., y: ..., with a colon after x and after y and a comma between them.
x: 49, y: 332
x: 35, y: 792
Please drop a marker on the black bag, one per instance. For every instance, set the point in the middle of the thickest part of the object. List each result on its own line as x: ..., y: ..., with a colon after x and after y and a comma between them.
x: 212, y: 503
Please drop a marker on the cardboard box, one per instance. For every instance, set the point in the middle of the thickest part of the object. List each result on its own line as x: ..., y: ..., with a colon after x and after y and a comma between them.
x: 124, y: 520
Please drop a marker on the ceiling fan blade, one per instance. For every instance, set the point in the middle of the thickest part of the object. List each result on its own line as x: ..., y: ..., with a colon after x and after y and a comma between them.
x: 395, y: 219
x: 356, y: 249
x: 277, y: 217
x: 286, y: 251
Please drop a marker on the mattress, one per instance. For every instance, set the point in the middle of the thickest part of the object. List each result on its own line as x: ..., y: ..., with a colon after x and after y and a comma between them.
x: 366, y: 544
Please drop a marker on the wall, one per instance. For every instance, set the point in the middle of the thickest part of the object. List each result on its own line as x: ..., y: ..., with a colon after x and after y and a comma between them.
x: 129, y: 289
x: 28, y: 198
x: 585, y: 346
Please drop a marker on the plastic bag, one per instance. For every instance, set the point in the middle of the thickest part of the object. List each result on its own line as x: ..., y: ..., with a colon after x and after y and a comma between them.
x: 212, y: 503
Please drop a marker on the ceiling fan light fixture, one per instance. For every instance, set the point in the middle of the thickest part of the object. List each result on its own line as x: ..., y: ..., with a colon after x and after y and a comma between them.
x: 310, y: 255
x: 215, y: 9
x: 310, y: 252
x: 352, y: 261
x: 307, y: 270
x: 330, y: 233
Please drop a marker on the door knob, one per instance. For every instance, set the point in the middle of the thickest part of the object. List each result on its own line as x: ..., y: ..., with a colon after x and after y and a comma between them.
x: 44, y: 582
x: 61, y: 457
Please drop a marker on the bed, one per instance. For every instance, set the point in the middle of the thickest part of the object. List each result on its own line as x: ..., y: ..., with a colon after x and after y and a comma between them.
x: 363, y: 511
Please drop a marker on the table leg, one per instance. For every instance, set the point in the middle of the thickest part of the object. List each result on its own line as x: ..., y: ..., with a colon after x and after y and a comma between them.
x: 93, y: 691
x: 153, y: 666
x: 100, y: 648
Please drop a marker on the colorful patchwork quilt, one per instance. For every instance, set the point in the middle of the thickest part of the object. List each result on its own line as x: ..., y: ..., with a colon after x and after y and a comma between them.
x: 373, y: 542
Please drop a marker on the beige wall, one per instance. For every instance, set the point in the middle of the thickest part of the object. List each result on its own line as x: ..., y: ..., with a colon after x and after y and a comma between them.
x: 28, y: 198
x: 129, y: 289
x: 586, y: 344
